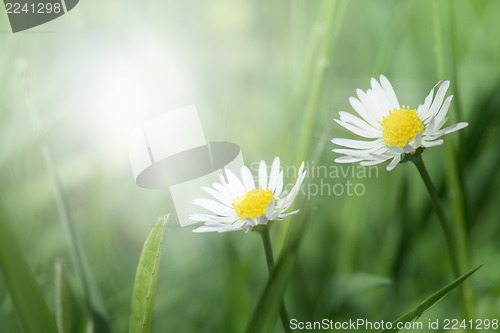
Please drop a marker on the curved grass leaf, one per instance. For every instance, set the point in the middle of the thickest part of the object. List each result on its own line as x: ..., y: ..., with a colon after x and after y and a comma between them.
x: 429, y: 302
x: 26, y: 295
x: 145, y: 279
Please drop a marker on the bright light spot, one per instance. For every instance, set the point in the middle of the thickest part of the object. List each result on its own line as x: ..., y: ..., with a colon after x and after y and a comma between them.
x: 122, y: 95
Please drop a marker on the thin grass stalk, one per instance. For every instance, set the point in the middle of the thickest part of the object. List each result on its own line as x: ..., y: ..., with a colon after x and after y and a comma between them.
x: 456, y: 187
x: 321, y: 62
x: 92, y: 298
x: 311, y: 81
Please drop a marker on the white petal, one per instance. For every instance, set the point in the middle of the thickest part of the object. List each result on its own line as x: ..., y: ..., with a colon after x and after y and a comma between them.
x: 389, y: 91
x: 282, y: 216
x: 373, y: 162
x: 263, y: 219
x: 346, y: 117
x: 206, y: 229
x: 373, y: 98
x: 438, y: 100
x: 437, y: 126
x: 369, y: 105
x: 382, y: 99
x: 396, y: 149
x: 443, y: 112
x: 363, y: 112
x: 418, y: 140
x: 301, y: 170
x: 348, y: 159
x: 217, y: 228
x: 223, y: 189
x: 423, y: 109
x: 250, y: 222
x: 429, y: 144
x: 273, y: 177
x: 431, y: 127
x: 384, y: 155
x: 212, y: 218
x: 451, y: 129
x: 214, y: 207
x: 394, y: 162
x: 247, y: 178
x: 356, y: 143
x: 263, y: 174
x: 270, y: 208
x: 359, y: 131
x: 408, y: 149
x: 219, y: 196
x: 359, y: 153
x: 235, y: 185
x: 279, y: 186
x: 295, y: 190
x: 239, y: 224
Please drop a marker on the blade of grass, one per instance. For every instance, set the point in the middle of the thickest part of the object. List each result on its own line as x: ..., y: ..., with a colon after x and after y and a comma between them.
x: 70, y: 314
x: 398, y: 30
x: 26, y: 295
x: 93, y: 299
x: 145, y: 279
x: 266, y: 313
x: 237, y: 275
x: 306, y: 95
x: 325, y: 33
x: 429, y: 302
x: 454, y: 64
x: 455, y: 181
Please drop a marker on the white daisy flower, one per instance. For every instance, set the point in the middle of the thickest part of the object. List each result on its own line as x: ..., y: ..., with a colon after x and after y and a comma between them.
x: 241, y: 205
x: 397, y: 130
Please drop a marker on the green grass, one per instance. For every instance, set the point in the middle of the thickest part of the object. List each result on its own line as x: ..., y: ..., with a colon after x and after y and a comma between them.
x: 250, y: 66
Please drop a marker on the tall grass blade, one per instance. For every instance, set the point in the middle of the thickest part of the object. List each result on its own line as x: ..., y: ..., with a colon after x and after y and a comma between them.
x: 71, y: 316
x: 26, y: 295
x: 454, y: 177
x: 93, y: 299
x: 429, y: 302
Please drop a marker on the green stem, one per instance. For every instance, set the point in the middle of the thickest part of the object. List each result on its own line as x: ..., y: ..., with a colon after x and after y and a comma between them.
x: 266, y: 241
x: 453, y: 247
x: 448, y: 232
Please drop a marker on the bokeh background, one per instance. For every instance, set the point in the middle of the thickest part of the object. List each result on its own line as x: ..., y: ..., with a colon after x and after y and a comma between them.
x: 269, y: 76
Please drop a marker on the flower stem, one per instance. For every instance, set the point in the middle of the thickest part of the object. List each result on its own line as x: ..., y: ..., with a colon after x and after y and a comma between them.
x: 266, y: 241
x: 419, y: 163
x: 448, y: 231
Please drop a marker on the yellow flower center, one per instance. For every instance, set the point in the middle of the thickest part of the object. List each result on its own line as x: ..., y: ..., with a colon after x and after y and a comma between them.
x: 253, y: 203
x: 401, y: 126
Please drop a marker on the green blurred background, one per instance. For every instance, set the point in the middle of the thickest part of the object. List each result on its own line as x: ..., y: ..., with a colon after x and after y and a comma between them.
x: 269, y: 76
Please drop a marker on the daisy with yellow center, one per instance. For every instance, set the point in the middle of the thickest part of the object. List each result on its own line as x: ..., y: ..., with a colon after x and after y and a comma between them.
x: 241, y: 205
x: 397, y: 130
